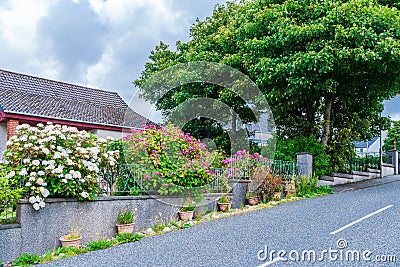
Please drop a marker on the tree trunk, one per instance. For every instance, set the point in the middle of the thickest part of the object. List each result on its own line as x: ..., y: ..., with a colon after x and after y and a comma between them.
x: 327, y: 119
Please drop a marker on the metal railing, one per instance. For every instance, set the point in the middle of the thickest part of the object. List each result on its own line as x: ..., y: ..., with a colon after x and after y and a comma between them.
x: 366, y: 161
x: 128, y: 179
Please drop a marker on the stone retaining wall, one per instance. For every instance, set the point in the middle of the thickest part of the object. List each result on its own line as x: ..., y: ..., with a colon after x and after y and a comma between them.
x: 38, y: 231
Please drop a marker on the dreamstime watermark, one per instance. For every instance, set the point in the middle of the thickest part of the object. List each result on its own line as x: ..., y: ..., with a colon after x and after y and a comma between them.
x: 340, y: 253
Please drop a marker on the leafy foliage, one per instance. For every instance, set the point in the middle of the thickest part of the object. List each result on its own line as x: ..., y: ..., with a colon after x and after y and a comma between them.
x: 392, y: 136
x: 324, y: 66
x: 308, y: 188
x: 57, y: 161
x: 126, y: 216
x: 100, y: 244
x: 287, y: 149
x: 177, y: 161
x: 128, y: 237
x: 10, y: 191
x: 26, y: 260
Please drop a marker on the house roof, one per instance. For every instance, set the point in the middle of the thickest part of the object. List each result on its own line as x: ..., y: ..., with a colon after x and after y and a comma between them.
x: 29, y: 95
x: 365, y: 144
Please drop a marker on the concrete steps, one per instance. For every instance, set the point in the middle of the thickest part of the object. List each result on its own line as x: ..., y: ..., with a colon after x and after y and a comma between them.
x: 343, y: 178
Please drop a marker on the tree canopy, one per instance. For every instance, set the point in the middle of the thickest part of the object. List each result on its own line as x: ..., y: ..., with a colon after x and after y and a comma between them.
x: 324, y: 66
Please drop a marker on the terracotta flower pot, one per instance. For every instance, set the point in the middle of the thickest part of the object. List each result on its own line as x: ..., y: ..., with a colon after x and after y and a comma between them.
x: 224, y: 206
x: 125, y: 228
x: 185, y: 215
x: 67, y: 242
x: 252, y: 201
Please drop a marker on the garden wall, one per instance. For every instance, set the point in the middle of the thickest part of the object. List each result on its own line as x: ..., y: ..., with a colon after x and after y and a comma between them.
x: 38, y: 231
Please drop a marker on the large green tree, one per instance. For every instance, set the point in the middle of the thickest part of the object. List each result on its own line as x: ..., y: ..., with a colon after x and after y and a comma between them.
x: 324, y: 66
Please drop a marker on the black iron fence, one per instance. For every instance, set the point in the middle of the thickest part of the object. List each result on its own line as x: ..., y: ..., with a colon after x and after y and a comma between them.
x: 367, y: 161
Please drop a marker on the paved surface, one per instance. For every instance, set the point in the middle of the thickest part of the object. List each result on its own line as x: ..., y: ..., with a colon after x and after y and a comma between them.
x: 365, y: 184
x: 298, y: 227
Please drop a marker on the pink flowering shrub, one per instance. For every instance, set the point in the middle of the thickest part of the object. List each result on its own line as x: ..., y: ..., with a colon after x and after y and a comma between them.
x: 177, y: 161
x: 243, y: 164
x: 58, y: 161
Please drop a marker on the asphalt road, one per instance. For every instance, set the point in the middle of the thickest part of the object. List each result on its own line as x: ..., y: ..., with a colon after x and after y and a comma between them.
x: 337, y: 228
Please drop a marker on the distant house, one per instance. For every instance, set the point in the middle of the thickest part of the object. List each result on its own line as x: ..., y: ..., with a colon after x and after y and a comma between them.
x: 369, y: 146
x: 33, y: 100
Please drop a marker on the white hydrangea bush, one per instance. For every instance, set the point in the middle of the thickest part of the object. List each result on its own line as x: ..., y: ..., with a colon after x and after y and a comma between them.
x: 57, y: 161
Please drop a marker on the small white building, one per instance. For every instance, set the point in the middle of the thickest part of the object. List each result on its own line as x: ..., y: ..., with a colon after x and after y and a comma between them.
x: 371, y: 146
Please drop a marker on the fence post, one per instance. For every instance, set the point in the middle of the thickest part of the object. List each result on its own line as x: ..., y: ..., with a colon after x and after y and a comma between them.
x: 394, y: 155
x: 304, y: 164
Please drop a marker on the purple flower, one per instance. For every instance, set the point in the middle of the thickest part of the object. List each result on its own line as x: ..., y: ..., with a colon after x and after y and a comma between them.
x: 165, y: 185
x: 157, y: 173
x: 147, y: 177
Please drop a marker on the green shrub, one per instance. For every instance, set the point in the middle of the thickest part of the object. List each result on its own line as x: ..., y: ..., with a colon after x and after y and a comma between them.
x: 100, y: 244
x: 9, y: 191
x: 306, y: 188
x: 126, y: 216
x: 26, y: 260
x: 57, y: 161
x: 287, y: 149
x: 177, y: 162
x: 128, y: 237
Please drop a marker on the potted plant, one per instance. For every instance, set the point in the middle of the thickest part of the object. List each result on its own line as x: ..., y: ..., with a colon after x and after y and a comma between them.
x: 224, y: 203
x: 186, y: 212
x: 252, y: 199
x: 73, y: 239
x: 125, y: 221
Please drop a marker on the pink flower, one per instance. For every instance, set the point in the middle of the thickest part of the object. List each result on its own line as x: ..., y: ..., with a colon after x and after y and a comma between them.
x: 165, y: 185
x: 147, y: 177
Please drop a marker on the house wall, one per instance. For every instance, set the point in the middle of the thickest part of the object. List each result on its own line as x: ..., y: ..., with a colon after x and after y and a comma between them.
x: 3, y: 138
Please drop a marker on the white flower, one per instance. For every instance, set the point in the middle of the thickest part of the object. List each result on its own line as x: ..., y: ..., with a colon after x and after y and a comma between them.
x: 38, y: 199
x: 35, y: 162
x: 32, y: 179
x: 76, y: 174
x: 33, y: 174
x: 84, y: 194
x: 26, y: 161
x: 41, y: 173
x: 46, y: 151
x: 11, y: 174
x: 36, y: 206
x: 42, y: 205
x: 44, y: 192
x: 28, y: 184
x: 39, y: 181
x: 68, y: 176
x: 32, y: 199
x: 23, y: 172
x: 64, y: 181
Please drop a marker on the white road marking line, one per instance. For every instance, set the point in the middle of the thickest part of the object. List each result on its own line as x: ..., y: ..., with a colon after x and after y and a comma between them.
x: 271, y: 262
x: 361, y: 219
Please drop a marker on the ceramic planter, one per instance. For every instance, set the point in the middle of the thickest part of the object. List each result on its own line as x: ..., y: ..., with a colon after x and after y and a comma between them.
x: 125, y: 228
x: 67, y: 242
x: 224, y: 206
x: 252, y: 201
x: 185, y: 215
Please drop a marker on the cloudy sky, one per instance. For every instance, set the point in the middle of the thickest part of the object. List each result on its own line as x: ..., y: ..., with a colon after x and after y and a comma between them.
x: 97, y: 43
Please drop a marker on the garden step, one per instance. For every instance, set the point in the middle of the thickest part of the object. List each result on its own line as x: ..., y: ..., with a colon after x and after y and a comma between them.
x: 342, y: 175
x: 340, y: 180
x: 327, y: 178
x: 325, y: 183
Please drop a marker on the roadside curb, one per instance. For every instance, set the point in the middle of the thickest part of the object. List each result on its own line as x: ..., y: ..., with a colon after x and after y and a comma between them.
x: 365, y: 187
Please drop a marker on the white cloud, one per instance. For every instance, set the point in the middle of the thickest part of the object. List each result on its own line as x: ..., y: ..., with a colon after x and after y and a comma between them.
x: 18, y: 21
